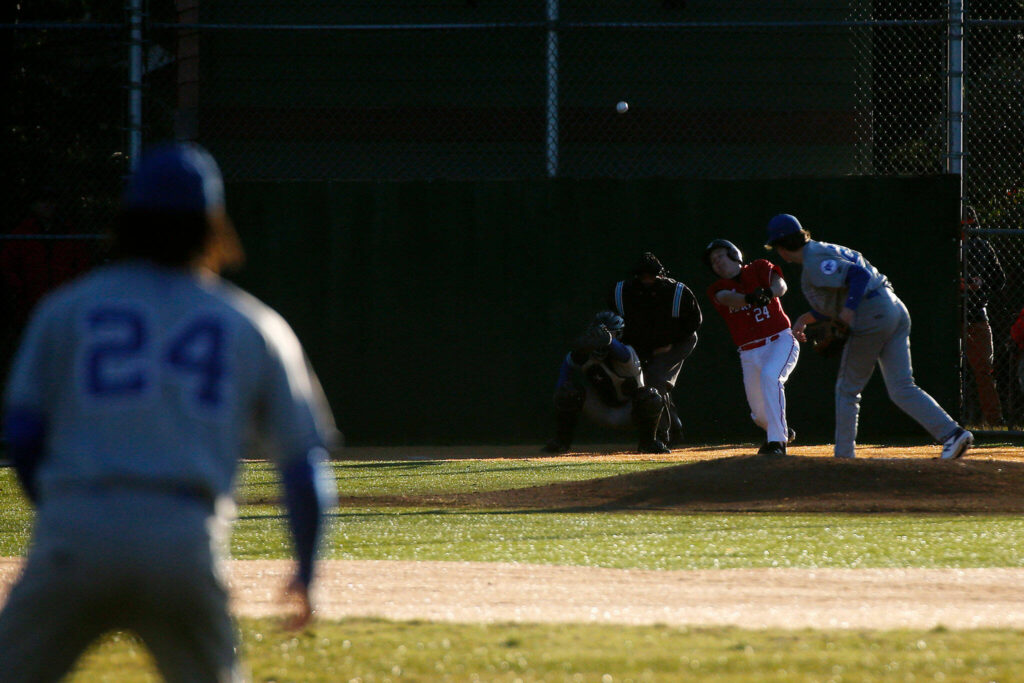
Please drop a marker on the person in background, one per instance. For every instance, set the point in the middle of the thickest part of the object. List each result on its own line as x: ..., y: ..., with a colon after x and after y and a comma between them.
x: 748, y: 296
x: 601, y: 378
x: 1017, y: 335
x: 983, y: 276
x: 662, y: 318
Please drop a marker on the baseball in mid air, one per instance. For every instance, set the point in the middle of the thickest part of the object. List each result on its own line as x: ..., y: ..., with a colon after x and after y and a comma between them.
x: 622, y: 107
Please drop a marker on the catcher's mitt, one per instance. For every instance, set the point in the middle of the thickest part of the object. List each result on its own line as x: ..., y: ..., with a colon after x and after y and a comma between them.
x: 827, y: 337
x: 596, y: 339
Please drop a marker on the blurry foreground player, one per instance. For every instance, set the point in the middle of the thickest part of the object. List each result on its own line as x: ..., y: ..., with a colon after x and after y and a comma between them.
x: 127, y: 408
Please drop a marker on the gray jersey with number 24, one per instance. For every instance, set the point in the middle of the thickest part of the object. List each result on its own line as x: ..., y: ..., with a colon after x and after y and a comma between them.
x: 152, y: 374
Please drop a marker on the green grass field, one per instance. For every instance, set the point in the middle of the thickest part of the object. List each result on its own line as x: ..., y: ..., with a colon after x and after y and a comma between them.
x: 376, y: 650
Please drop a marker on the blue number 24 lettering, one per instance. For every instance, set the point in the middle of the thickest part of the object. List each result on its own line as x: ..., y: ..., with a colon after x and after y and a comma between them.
x: 198, y: 351
x: 117, y: 359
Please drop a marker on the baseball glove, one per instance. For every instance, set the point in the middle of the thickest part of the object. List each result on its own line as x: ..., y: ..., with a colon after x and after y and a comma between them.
x: 596, y: 339
x: 827, y: 337
x: 761, y: 296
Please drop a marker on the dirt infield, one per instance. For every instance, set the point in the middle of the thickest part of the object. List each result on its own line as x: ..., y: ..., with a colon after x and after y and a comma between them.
x: 470, y: 592
x: 749, y: 598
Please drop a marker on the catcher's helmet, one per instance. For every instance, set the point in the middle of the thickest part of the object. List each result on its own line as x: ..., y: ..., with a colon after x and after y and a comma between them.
x: 730, y: 249
x: 780, y: 226
x: 611, y: 320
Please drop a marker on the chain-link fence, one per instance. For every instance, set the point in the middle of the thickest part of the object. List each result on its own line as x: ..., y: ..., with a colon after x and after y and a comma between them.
x: 482, y: 89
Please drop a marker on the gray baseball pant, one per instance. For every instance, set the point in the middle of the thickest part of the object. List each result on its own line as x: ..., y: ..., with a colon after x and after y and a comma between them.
x: 881, y: 334
x: 119, y: 560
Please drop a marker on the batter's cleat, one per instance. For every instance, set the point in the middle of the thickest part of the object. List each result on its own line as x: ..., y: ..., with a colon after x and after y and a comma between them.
x: 957, y: 444
x: 556, y: 446
x: 773, y: 448
x: 653, y: 446
x: 763, y: 450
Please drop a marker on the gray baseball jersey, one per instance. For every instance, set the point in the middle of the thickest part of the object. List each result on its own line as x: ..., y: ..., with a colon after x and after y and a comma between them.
x: 823, y: 280
x: 151, y: 374
x: 149, y: 379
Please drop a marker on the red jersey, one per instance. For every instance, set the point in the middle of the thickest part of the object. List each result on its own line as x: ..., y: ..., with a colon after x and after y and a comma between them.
x: 751, y: 322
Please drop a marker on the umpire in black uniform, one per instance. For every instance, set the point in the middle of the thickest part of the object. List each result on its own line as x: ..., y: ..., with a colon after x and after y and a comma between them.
x: 662, y: 318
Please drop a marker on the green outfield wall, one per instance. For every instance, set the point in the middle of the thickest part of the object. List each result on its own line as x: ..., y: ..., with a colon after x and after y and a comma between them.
x: 438, y: 312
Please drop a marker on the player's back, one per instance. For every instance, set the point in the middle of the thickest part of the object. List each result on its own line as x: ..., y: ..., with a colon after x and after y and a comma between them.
x: 151, y: 375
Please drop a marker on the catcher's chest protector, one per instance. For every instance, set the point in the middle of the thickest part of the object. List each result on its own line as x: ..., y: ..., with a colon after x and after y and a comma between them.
x: 615, y: 382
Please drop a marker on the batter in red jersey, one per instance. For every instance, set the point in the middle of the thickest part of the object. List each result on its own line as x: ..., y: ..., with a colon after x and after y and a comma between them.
x: 747, y: 297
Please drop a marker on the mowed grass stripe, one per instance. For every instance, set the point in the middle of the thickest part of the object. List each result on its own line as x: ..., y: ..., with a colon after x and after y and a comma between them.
x: 375, y: 650
x: 651, y: 540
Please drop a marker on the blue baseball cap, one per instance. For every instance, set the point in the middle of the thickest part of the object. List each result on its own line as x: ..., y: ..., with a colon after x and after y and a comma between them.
x: 782, y: 225
x: 175, y: 177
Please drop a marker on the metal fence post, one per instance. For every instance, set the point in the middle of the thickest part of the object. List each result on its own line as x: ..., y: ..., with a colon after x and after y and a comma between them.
x: 135, y: 70
x: 552, y: 90
x: 954, y: 161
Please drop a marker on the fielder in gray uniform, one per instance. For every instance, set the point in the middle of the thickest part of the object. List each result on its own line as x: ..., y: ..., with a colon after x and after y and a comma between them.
x: 128, y: 405
x: 840, y: 284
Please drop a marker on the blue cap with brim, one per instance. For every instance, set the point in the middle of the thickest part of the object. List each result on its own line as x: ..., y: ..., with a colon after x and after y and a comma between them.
x: 782, y: 225
x: 175, y: 177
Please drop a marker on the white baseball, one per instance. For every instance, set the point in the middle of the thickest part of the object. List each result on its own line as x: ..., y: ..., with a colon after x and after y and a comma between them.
x: 622, y: 107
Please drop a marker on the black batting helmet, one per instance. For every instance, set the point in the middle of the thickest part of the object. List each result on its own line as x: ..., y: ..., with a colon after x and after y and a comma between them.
x: 730, y: 249
x: 611, y: 320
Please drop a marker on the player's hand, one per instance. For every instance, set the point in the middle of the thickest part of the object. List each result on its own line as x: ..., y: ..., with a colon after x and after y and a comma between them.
x: 761, y: 296
x: 847, y: 315
x: 296, y: 595
x: 800, y: 325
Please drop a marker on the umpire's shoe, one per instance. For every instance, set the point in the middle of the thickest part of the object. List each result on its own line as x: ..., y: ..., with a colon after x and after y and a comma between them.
x: 653, y: 446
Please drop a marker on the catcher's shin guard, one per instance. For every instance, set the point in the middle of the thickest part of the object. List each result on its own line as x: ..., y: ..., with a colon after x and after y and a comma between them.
x: 648, y: 408
x: 569, y: 401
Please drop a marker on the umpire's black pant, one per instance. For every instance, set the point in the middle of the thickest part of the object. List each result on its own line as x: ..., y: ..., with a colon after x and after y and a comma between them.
x: 661, y: 372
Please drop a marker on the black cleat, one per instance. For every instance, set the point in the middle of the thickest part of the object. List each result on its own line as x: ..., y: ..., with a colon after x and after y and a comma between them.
x: 763, y: 450
x: 653, y: 446
x: 773, y: 448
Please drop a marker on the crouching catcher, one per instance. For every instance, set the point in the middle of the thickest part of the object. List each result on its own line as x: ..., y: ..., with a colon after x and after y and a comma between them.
x: 601, y: 378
